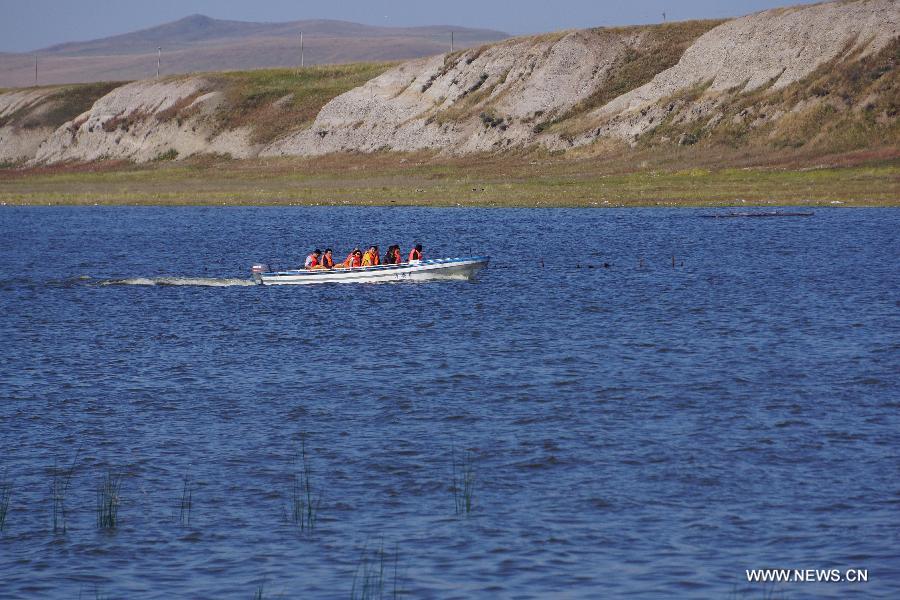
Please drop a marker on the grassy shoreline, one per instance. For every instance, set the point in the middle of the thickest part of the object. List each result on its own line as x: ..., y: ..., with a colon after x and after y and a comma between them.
x: 526, y: 180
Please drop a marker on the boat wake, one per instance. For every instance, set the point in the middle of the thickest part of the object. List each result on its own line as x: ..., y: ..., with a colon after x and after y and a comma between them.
x: 177, y: 281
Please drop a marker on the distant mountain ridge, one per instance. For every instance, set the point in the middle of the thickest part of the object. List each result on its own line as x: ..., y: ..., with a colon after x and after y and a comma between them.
x: 201, y: 43
x: 199, y: 29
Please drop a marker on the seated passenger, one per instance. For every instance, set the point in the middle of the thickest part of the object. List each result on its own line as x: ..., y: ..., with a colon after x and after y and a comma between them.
x: 354, y: 259
x: 415, y: 253
x: 370, y: 258
x: 312, y: 261
x: 392, y: 256
x: 327, y: 260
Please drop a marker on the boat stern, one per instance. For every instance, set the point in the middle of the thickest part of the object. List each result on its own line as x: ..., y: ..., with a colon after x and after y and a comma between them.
x: 256, y: 273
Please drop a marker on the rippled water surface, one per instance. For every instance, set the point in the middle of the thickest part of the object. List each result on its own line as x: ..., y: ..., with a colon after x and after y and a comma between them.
x: 640, y: 430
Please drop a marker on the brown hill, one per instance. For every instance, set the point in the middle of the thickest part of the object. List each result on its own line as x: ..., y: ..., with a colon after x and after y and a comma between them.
x: 198, y: 43
x: 820, y: 79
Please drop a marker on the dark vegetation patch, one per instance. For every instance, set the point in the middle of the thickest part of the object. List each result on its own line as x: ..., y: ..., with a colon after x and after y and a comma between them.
x: 469, y: 103
x: 180, y: 109
x: 492, y: 121
x: 122, y: 121
x: 685, y: 134
x: 450, y: 61
x: 475, y: 86
x: 476, y: 54
x: 170, y: 154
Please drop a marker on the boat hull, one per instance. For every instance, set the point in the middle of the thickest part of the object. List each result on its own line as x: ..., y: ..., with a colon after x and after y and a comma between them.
x: 426, y: 270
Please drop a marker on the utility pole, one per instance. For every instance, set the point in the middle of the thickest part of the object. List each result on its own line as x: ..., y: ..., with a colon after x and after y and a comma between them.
x: 35, y: 69
x: 158, y: 59
x: 664, y: 16
x: 451, y: 42
x: 302, y: 63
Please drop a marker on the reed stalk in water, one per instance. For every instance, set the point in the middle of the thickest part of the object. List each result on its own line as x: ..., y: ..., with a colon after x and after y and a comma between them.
x: 369, y: 581
x: 463, y: 483
x: 59, y: 489
x: 305, y: 502
x: 5, y: 495
x: 187, y: 501
x: 108, y: 502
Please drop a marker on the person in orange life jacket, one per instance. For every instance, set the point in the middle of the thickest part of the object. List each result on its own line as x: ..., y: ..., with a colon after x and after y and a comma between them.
x: 370, y: 258
x: 354, y: 259
x: 416, y: 253
x: 397, y: 256
x: 312, y: 261
x: 327, y: 260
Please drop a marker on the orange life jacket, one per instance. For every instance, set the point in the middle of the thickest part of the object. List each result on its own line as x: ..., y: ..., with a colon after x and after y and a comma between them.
x: 397, y: 256
x: 352, y: 260
x: 313, y: 262
x: 327, y: 261
x: 367, y: 259
x: 415, y: 255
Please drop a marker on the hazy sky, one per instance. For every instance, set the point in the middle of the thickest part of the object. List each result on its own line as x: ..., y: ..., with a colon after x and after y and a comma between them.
x: 32, y: 24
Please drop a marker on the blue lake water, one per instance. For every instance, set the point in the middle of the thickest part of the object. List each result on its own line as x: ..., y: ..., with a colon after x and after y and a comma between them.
x: 641, y: 430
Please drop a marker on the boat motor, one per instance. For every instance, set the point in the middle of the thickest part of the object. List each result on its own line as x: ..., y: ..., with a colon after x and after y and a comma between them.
x: 256, y: 272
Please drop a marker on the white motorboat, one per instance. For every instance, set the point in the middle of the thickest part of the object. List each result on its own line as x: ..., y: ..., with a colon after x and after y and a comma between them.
x: 416, y: 270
